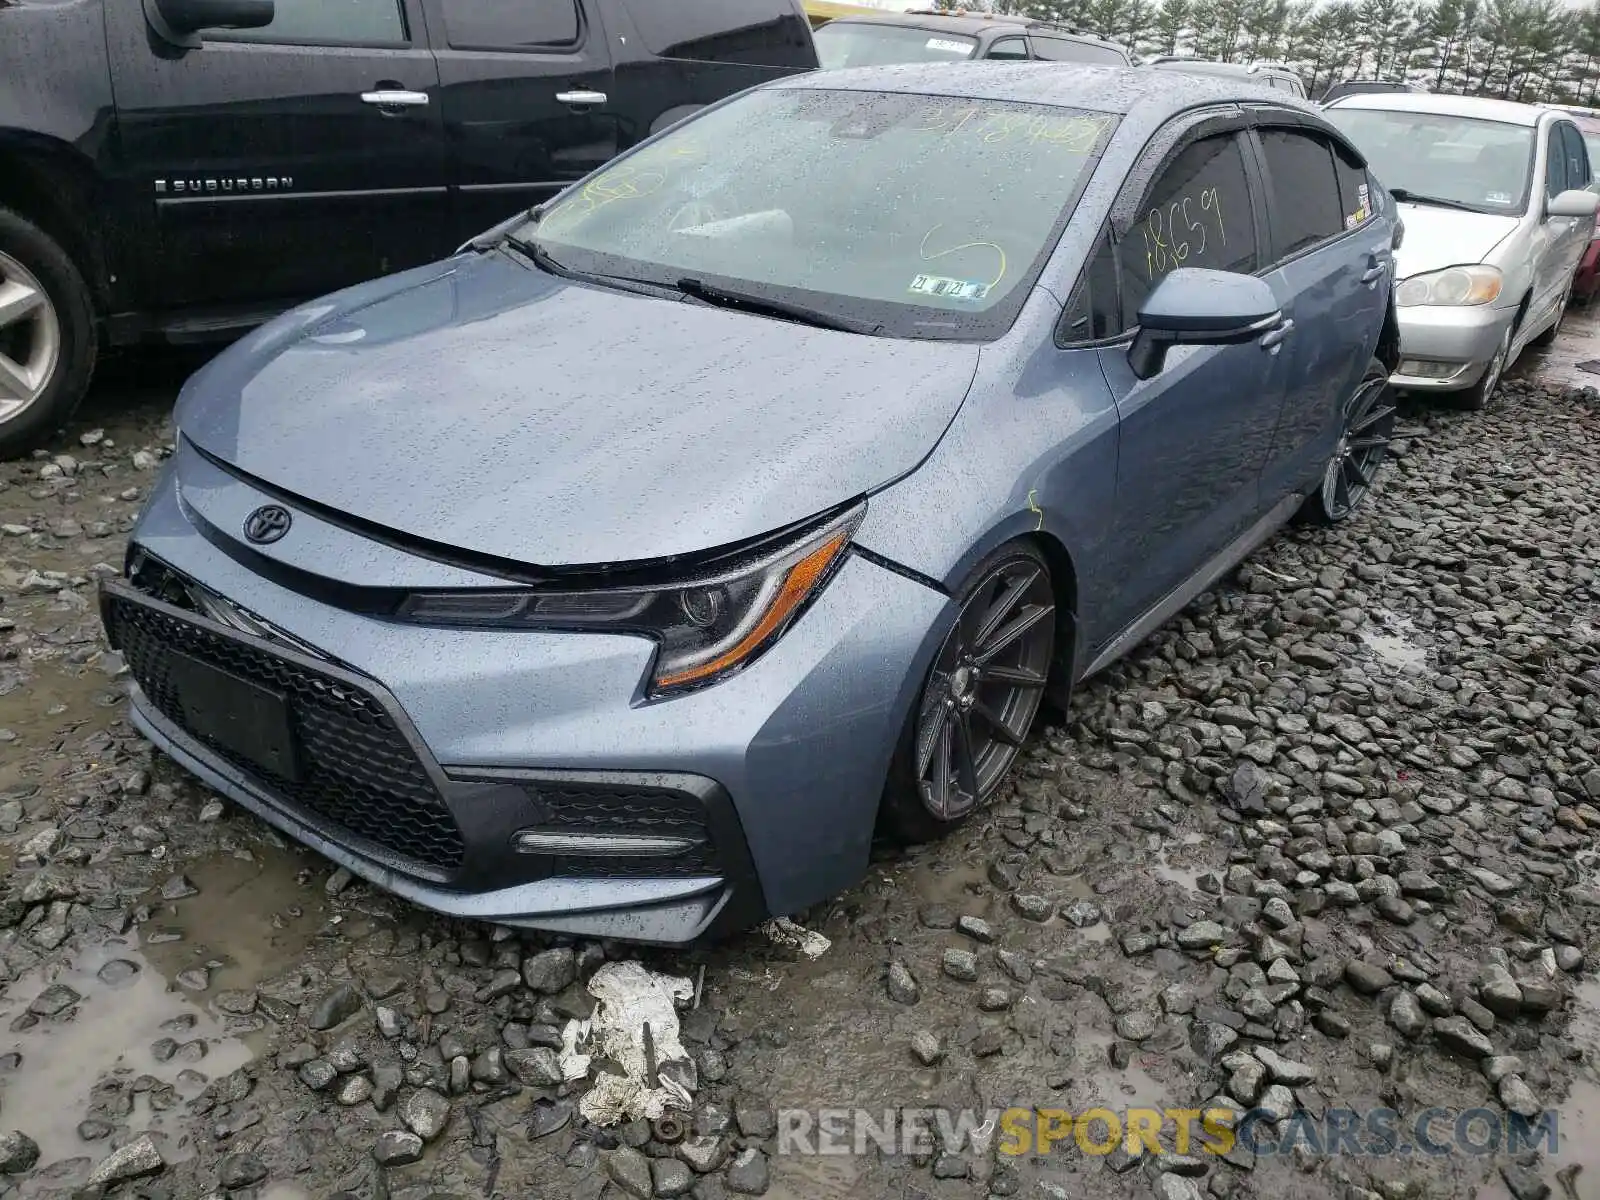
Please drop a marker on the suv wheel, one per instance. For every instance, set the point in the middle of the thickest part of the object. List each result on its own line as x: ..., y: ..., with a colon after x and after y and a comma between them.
x: 47, y: 335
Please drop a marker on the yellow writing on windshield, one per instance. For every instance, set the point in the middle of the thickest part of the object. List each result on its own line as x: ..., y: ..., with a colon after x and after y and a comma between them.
x: 922, y: 252
x: 1074, y: 134
x: 1185, y: 226
x: 640, y: 176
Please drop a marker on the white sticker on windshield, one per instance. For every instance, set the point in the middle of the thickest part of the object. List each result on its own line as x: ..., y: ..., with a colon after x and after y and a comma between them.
x: 1498, y: 197
x: 1361, y: 195
x: 949, y: 47
x: 948, y: 289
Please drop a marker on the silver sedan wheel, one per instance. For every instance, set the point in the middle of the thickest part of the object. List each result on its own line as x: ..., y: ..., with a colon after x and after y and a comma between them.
x: 30, y: 339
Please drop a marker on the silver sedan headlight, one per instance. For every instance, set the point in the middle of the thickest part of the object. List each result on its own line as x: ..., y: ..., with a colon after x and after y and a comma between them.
x: 1476, y: 284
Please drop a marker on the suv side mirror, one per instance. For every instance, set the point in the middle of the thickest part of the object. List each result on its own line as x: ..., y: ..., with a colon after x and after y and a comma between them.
x: 1193, y: 306
x: 180, y: 21
x: 1574, y: 202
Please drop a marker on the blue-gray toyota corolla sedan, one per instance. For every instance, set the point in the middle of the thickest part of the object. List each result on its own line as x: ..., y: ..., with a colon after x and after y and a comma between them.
x: 621, y: 574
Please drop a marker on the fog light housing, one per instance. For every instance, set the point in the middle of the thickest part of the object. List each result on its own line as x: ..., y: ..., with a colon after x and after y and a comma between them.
x: 1427, y: 368
x: 563, y: 842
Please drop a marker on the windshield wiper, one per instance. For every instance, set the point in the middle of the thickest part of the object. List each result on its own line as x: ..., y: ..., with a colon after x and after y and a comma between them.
x: 723, y: 297
x: 545, y: 261
x: 1407, y: 196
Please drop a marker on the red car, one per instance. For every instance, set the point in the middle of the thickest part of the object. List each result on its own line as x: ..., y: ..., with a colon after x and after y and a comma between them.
x: 1586, y: 281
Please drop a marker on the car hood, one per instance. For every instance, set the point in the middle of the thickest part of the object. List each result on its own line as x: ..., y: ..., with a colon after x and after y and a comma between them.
x: 1442, y: 237
x: 499, y: 410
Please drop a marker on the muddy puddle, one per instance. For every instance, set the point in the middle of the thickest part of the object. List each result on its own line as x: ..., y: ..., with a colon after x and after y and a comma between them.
x: 1394, y: 641
x: 44, y: 705
x: 1579, y: 1113
x: 131, y: 1028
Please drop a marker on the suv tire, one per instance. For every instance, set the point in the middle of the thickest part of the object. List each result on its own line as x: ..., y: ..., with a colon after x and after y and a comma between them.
x: 48, y: 343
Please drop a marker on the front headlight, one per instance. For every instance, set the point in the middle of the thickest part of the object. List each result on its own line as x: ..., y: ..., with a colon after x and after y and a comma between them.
x: 707, y: 627
x: 1476, y: 284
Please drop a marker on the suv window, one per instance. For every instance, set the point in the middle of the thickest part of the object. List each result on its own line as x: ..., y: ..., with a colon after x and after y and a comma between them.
x: 1555, y: 165
x: 1304, y: 191
x: 1197, y: 214
x: 1355, y: 194
x: 1055, y: 49
x: 510, y: 24
x: 762, y: 32
x: 1094, y: 311
x: 1011, y: 47
x: 327, y: 22
x: 1579, y: 168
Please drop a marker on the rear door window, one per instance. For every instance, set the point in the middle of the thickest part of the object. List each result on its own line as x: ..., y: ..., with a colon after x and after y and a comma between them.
x: 1304, y: 203
x: 1198, y: 213
x: 759, y: 32
x: 510, y: 24
x: 1579, y: 168
x: 1064, y: 50
x: 1012, y: 47
x: 1355, y: 192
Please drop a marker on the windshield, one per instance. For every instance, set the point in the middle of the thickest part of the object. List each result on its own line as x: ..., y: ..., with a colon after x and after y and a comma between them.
x: 1591, y: 143
x: 849, y: 44
x: 1483, y: 165
x: 928, y: 216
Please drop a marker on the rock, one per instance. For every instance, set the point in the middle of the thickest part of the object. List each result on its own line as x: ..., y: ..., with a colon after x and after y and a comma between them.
x: 1032, y: 907
x: 238, y: 1171
x: 1202, y: 935
x: 671, y: 1177
x: 1518, y: 1097
x: 901, y: 985
x: 1497, y: 1066
x: 1277, y: 1103
x: 18, y: 1153
x: 1177, y: 999
x: 927, y: 1047
x: 630, y: 1171
x: 178, y: 887
x: 1460, y: 1035
x: 53, y: 1001
x: 548, y: 1116
x: 1434, y: 1002
x: 1524, y: 1184
x: 976, y: 928
x: 1366, y: 978
x: 536, y: 1066
x: 398, y: 1148
x: 356, y: 1089
x: 1247, y: 789
x: 1406, y: 1015
x: 1283, y: 1070
x: 338, y: 1006
x: 1081, y: 914
x: 425, y: 1112
x: 1136, y: 1026
x: 549, y: 971
x: 318, y: 1074
x: 133, y: 1161
x: 961, y: 965
x: 748, y: 1174
x: 1170, y: 1186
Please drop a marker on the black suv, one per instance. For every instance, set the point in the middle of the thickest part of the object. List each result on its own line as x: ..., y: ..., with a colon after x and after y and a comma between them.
x: 184, y: 169
x: 873, y: 41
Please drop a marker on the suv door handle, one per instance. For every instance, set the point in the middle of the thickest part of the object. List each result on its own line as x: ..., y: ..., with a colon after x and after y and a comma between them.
x: 395, y: 98
x: 581, y: 98
x: 1373, y: 274
x: 1273, y: 338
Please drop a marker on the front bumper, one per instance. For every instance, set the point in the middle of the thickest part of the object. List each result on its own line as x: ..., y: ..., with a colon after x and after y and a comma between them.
x: 428, y: 750
x: 1445, y: 349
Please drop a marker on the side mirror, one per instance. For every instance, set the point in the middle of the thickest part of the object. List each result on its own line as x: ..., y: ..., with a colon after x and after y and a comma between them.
x: 1574, y: 202
x: 1192, y: 306
x: 180, y: 21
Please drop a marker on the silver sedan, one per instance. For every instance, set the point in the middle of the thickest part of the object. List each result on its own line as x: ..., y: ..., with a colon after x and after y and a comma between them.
x: 1496, y: 219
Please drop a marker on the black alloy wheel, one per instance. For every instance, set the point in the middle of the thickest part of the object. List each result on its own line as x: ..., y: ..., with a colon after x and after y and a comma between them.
x: 1369, y: 417
x: 980, y: 698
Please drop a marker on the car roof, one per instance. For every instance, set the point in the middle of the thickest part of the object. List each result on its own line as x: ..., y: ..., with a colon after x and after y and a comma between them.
x: 1477, y: 107
x: 1208, y: 66
x: 973, y: 25
x: 1142, y: 97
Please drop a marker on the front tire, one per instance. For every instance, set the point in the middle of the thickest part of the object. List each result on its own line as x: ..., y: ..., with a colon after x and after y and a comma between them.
x: 1364, y: 439
x: 1476, y: 398
x: 977, y: 704
x: 48, y: 341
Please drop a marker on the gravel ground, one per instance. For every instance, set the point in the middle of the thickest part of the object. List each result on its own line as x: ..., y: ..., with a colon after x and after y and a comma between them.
x: 1326, y: 842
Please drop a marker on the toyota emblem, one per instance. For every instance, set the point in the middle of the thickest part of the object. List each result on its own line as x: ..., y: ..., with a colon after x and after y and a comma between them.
x: 267, y: 524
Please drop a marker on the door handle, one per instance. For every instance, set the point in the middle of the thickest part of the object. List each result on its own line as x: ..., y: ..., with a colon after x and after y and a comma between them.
x: 581, y: 98
x: 1273, y: 338
x: 1373, y: 274
x: 395, y: 98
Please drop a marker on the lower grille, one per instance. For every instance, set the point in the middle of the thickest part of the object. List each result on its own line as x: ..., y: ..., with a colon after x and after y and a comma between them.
x: 616, y: 810
x: 361, y: 773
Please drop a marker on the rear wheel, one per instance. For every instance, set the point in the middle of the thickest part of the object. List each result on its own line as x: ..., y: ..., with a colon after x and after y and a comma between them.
x: 47, y: 335
x: 979, y: 700
x: 1363, y: 444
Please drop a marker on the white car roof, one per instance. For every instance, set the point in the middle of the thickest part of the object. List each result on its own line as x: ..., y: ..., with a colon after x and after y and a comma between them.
x: 1508, y: 111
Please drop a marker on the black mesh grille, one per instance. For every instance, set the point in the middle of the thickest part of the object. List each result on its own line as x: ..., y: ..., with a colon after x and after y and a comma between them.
x: 622, y: 810
x: 360, y: 774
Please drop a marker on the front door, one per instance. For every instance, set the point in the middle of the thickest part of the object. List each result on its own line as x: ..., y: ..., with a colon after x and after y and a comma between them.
x: 527, y: 101
x: 281, y: 163
x: 1194, y: 437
